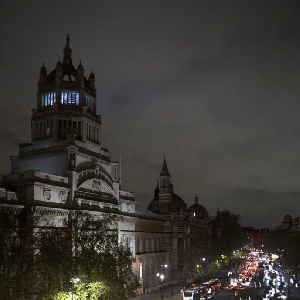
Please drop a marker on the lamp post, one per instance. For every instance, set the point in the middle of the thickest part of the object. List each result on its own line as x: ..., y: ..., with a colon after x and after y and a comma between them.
x: 203, y: 260
x: 288, y: 287
x: 162, y: 276
x: 77, y: 280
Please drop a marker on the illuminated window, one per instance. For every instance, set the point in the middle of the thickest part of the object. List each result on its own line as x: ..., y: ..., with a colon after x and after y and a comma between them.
x: 89, y: 103
x: 48, y: 99
x: 141, y: 270
x: 69, y: 98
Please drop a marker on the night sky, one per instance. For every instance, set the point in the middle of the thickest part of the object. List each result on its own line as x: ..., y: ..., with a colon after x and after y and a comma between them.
x: 211, y: 84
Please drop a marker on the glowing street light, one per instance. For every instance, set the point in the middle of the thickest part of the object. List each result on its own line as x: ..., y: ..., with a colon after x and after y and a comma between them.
x: 162, y: 277
x: 75, y: 280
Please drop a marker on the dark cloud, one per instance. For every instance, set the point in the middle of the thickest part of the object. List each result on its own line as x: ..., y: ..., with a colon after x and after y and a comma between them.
x: 213, y: 85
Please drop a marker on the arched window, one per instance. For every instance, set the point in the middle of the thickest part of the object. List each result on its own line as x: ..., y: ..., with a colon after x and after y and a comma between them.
x: 69, y: 98
x: 89, y: 103
x: 48, y: 99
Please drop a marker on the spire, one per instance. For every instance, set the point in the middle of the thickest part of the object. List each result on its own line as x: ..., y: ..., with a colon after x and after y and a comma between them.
x: 80, y: 67
x: 67, y: 53
x: 68, y: 41
x: 43, y: 75
x: 59, y: 64
x: 196, y: 199
x: 91, y: 81
x: 43, y: 69
x: 164, y: 170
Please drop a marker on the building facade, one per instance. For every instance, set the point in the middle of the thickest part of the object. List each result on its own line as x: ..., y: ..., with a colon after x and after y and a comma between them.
x: 65, y: 167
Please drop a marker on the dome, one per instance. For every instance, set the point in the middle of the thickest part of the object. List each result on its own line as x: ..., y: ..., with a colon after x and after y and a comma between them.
x: 153, y: 206
x: 288, y: 218
x: 198, y: 211
x: 177, y: 203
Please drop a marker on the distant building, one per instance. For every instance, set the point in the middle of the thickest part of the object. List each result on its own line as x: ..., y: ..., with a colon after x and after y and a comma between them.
x: 256, y: 237
x: 183, y: 231
x: 290, y: 223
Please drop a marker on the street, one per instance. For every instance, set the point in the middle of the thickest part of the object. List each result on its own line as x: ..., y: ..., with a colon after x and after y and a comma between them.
x: 167, y: 294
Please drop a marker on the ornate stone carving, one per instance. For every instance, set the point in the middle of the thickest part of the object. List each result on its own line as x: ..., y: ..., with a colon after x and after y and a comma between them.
x: 72, y: 160
x: 97, y: 171
x: 47, y: 194
x: 2, y: 193
x: 96, y: 185
x: 63, y: 196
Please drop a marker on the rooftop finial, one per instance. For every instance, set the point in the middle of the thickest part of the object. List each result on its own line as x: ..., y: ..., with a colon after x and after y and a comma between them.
x: 68, y: 40
x: 164, y: 170
x: 67, y: 61
x: 196, y: 199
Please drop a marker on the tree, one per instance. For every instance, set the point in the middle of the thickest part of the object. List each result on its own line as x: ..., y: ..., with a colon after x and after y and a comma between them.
x: 103, y: 265
x: 16, y: 254
x: 227, y: 234
x: 47, y: 259
x: 286, y: 244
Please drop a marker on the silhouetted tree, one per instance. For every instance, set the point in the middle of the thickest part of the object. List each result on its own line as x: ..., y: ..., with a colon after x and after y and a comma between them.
x: 227, y: 234
x: 43, y: 261
x: 286, y: 244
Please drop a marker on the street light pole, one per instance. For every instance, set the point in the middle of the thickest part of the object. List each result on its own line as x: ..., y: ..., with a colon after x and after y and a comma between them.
x: 162, y: 276
x: 77, y: 280
x: 288, y: 292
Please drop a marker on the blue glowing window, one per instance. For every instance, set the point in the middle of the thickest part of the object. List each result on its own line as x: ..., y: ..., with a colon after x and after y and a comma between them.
x: 90, y: 104
x: 48, y: 99
x: 69, y: 98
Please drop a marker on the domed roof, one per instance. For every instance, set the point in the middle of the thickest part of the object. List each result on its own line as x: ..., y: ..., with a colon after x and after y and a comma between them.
x: 177, y: 203
x: 288, y: 218
x: 198, y: 211
x: 153, y: 206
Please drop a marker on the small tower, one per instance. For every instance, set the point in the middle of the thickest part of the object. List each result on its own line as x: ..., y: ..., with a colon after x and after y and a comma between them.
x: 196, y: 200
x: 165, y: 191
x: 65, y: 117
x: 165, y: 179
x: 43, y: 75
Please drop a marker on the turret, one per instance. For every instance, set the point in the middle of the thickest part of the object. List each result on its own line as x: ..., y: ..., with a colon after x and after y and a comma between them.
x: 165, y: 191
x: 59, y: 70
x: 165, y: 179
x: 92, y: 81
x: 43, y: 75
x: 67, y: 61
x: 80, y: 73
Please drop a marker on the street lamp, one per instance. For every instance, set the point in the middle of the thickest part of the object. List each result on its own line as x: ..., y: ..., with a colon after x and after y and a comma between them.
x: 162, y: 276
x: 77, y: 280
x: 203, y: 259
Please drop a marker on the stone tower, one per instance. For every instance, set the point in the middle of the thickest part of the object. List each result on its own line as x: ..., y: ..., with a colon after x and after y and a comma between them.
x: 66, y: 135
x: 165, y: 191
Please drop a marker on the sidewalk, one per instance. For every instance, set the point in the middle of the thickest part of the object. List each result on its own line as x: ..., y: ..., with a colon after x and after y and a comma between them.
x: 167, y: 294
